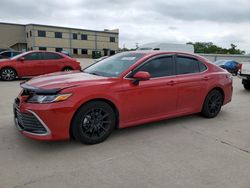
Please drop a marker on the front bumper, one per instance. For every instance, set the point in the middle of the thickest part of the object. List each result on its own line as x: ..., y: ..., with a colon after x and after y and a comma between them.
x: 43, y: 121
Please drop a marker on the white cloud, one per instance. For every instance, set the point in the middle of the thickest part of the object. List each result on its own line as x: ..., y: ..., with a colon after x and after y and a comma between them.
x: 222, y: 22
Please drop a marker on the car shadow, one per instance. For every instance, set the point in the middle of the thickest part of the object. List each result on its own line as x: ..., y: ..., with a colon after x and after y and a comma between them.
x: 61, y: 146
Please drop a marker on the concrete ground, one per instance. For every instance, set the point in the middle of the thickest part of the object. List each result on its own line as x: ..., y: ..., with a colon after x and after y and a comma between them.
x: 184, y: 152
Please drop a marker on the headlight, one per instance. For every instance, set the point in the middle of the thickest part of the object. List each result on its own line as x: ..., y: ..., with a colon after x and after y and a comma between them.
x: 48, y: 98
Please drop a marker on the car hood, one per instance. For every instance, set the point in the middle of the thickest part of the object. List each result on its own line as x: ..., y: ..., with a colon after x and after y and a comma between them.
x: 61, y: 80
x: 4, y: 60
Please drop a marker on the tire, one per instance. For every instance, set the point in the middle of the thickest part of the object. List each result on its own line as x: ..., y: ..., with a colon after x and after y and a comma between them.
x: 8, y: 74
x: 246, y: 85
x: 66, y: 69
x: 93, y: 122
x: 212, y: 104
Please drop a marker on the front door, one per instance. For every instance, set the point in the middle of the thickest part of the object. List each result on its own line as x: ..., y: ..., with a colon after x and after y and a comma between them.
x: 152, y: 98
x: 31, y: 65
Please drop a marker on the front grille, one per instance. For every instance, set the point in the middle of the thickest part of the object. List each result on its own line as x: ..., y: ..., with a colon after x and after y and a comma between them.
x: 29, y: 123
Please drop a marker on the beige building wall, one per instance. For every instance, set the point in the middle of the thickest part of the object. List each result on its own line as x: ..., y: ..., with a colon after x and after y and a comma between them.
x: 28, y: 34
x: 11, y: 34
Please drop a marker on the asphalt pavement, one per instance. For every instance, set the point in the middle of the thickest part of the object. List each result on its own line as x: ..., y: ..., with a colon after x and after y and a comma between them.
x: 186, y: 152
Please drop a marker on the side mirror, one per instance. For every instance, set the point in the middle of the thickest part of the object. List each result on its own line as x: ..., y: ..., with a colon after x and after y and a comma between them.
x: 142, y: 76
x: 21, y: 59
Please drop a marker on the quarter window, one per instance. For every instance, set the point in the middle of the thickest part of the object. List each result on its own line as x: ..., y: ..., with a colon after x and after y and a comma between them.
x: 159, y: 67
x: 202, y: 66
x: 187, y: 65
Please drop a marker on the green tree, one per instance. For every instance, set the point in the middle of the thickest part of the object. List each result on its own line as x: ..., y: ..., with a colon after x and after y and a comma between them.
x: 210, y: 48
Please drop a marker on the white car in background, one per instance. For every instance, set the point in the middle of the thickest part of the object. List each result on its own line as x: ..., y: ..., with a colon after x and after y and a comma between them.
x: 244, y: 74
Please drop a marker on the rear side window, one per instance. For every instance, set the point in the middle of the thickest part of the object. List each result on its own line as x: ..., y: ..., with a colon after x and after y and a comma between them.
x: 47, y: 56
x: 187, y: 65
x: 202, y: 66
x: 33, y: 56
x: 159, y: 67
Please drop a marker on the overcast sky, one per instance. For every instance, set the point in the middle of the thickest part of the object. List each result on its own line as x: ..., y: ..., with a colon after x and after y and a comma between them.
x: 177, y: 21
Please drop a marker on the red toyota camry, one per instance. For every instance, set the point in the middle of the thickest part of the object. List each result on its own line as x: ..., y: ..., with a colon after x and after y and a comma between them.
x: 124, y: 90
x: 36, y: 63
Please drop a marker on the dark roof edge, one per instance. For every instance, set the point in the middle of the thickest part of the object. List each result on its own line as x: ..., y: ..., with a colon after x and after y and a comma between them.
x: 31, y: 24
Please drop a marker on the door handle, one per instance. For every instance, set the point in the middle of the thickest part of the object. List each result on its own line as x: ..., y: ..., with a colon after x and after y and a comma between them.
x: 205, y: 78
x: 172, y: 82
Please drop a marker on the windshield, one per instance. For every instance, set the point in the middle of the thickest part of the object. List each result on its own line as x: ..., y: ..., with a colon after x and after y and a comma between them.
x: 114, y: 65
x: 19, y: 55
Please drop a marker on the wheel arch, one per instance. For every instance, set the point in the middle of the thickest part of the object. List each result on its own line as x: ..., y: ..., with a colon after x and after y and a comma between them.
x: 67, y: 66
x: 8, y: 67
x: 215, y: 88
x: 109, y: 102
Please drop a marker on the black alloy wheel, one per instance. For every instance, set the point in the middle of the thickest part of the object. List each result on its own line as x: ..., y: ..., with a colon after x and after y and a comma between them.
x: 8, y: 74
x: 66, y: 69
x: 93, y: 122
x: 212, y: 104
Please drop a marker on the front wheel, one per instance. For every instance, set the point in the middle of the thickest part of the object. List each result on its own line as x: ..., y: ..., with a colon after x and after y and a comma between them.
x: 93, y: 122
x: 212, y: 104
x: 8, y: 74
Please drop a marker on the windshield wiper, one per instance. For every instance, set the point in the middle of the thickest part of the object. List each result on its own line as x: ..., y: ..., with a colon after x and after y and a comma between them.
x: 93, y: 73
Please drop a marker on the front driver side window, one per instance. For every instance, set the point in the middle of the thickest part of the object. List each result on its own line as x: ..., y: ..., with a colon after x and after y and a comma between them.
x: 159, y: 67
x: 33, y: 56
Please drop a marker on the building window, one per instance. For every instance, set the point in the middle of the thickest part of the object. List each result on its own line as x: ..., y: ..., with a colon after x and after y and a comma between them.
x: 112, y: 39
x: 43, y: 48
x: 112, y: 52
x: 58, y: 35
x: 75, y: 51
x: 84, y: 37
x: 30, y: 33
x: 75, y: 36
x: 41, y: 33
x: 59, y: 49
x: 84, y: 51
x: 27, y: 35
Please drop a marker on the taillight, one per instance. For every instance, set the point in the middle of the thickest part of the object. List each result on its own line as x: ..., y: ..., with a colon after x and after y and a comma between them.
x: 239, y: 66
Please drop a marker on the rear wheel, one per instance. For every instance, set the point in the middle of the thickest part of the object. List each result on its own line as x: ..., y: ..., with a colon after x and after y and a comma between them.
x: 246, y: 84
x: 66, y: 69
x: 212, y: 104
x: 93, y: 122
x: 8, y: 74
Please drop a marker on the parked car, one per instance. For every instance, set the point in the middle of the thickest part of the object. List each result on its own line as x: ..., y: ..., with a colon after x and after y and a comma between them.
x: 229, y: 65
x: 36, y: 63
x: 8, y: 54
x: 121, y: 91
x: 244, y: 74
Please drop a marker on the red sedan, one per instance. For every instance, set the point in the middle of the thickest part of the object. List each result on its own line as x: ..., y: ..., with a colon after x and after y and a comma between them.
x: 36, y: 63
x: 124, y: 90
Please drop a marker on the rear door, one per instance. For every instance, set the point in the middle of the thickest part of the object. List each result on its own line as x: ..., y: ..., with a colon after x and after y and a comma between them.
x: 32, y: 65
x: 192, y: 83
x: 53, y: 62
